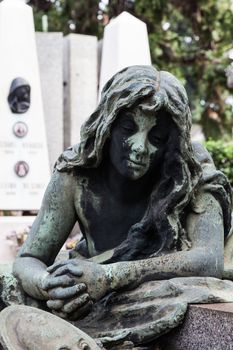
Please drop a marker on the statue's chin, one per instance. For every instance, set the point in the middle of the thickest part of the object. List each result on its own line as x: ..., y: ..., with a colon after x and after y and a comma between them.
x: 23, y: 107
x: 19, y: 107
x: 135, y: 175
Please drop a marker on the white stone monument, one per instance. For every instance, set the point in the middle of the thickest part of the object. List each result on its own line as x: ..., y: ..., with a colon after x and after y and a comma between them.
x: 50, y: 52
x: 80, y: 83
x: 24, y: 170
x: 125, y: 43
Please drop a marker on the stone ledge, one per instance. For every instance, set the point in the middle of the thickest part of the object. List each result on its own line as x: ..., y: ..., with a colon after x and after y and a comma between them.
x: 206, y: 326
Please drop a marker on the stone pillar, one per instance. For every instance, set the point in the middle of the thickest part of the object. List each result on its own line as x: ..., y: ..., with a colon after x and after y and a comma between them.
x: 125, y: 43
x: 80, y: 83
x: 50, y: 52
x: 23, y: 149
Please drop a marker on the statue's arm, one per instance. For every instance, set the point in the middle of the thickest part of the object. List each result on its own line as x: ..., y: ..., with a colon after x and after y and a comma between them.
x: 50, y: 230
x: 205, y: 258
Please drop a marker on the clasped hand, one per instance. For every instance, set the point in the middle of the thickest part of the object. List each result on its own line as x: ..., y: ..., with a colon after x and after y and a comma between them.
x: 73, y: 286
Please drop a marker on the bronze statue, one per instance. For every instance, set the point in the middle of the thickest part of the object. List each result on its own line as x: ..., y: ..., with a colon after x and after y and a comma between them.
x: 19, y: 98
x: 153, y: 211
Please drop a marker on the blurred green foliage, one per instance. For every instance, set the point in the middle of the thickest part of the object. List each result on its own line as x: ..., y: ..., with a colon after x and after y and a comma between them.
x: 191, y: 39
x: 68, y: 16
x: 222, y: 154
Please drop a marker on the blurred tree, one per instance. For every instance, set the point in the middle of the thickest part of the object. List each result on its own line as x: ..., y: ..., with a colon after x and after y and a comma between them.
x: 191, y: 39
x: 68, y: 15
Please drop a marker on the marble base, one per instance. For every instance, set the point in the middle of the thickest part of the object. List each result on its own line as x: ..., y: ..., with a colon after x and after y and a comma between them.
x: 206, y: 327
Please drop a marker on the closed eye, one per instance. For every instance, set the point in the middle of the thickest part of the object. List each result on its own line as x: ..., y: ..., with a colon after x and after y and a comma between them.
x: 128, y: 125
x: 154, y: 137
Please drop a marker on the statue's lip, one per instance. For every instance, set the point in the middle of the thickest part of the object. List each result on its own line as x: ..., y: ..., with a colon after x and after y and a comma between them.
x: 136, y: 163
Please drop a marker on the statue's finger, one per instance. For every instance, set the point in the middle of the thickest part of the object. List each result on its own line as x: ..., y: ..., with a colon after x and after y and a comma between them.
x: 74, y: 270
x: 60, y: 271
x: 61, y: 281
x: 82, y: 312
x: 55, y: 304
x: 60, y: 314
x: 75, y: 304
x: 68, y: 292
x: 56, y: 265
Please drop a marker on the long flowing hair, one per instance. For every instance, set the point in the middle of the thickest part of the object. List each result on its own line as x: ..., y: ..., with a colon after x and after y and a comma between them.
x: 161, y: 228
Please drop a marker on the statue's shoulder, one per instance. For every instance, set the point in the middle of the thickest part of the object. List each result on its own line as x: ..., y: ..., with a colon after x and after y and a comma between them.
x: 213, y: 182
x: 65, y: 172
x: 202, y: 155
x: 68, y: 160
x: 70, y: 172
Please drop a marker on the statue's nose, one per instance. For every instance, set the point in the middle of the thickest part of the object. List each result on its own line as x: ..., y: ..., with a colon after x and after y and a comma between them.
x: 139, y: 146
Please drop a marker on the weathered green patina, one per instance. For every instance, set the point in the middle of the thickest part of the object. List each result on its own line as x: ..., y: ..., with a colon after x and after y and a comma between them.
x: 153, y: 210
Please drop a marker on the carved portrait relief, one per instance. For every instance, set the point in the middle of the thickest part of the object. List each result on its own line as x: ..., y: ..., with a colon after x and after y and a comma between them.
x: 19, y: 97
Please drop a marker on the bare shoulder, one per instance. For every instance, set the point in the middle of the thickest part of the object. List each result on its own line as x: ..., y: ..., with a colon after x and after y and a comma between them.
x: 63, y: 183
x: 202, y: 155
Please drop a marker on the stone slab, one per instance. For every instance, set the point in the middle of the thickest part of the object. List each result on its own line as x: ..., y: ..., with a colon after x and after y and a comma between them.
x: 50, y: 56
x: 80, y: 83
x: 206, y: 327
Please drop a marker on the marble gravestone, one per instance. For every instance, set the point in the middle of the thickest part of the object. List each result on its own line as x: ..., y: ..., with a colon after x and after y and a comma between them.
x: 80, y: 83
x: 125, y: 43
x: 50, y: 51
x: 23, y: 148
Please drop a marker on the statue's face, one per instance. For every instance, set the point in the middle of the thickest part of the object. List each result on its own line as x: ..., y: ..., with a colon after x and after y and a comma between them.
x: 138, y: 141
x: 20, y: 96
x: 22, y: 93
x: 22, y: 99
